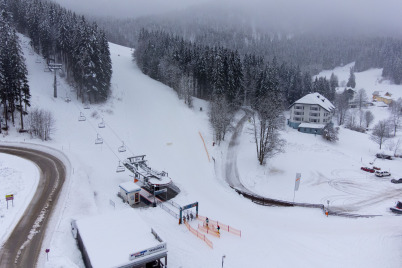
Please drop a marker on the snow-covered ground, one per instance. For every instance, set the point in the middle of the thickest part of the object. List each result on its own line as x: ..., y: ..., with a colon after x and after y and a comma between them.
x: 20, y: 178
x: 150, y: 119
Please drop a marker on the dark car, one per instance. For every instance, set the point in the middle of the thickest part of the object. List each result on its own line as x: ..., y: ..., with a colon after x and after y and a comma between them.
x: 367, y: 169
x: 396, y: 180
x: 384, y: 156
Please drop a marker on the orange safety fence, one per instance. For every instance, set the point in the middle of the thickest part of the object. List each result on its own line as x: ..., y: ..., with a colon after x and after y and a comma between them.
x: 223, y: 226
x: 199, y: 235
x: 209, y: 231
x: 205, y: 146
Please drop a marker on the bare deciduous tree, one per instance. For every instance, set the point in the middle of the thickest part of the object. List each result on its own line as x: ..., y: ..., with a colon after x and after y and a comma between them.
x: 342, y: 106
x: 361, y: 98
x: 220, y: 117
x: 396, y: 115
x: 41, y: 123
x: 267, y: 122
x: 381, y: 132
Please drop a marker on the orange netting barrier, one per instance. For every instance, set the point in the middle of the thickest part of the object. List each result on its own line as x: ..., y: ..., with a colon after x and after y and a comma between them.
x: 205, y: 146
x: 209, y: 230
x: 199, y: 235
x: 223, y: 226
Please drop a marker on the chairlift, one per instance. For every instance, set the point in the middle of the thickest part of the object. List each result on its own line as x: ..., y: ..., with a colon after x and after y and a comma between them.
x: 99, y: 139
x: 101, y: 124
x: 122, y: 148
x: 82, y: 117
x: 86, y: 105
x: 120, y: 168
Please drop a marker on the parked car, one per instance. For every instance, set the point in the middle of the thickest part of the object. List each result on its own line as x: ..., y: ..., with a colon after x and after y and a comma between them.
x: 380, y: 173
x: 368, y: 169
x: 377, y: 168
x: 384, y: 156
x: 396, y: 180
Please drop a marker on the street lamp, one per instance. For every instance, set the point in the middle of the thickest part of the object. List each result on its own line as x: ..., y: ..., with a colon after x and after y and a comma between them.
x: 223, y: 257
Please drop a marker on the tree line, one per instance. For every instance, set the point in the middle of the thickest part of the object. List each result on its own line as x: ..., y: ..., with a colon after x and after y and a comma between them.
x: 218, y: 71
x: 63, y: 37
x: 312, y: 52
x: 14, y: 88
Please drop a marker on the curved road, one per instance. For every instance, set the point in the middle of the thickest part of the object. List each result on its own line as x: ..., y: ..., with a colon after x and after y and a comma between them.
x: 24, y: 243
x: 232, y: 173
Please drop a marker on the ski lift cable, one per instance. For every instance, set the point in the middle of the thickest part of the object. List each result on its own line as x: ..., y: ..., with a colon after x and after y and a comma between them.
x: 96, y: 131
x: 109, y: 127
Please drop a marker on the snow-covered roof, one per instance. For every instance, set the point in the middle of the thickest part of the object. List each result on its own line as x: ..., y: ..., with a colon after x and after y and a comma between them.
x: 315, y: 98
x: 311, y: 125
x: 111, y: 238
x: 129, y: 186
x: 383, y: 94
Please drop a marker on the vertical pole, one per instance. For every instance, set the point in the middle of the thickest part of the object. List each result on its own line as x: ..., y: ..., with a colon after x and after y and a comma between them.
x: 294, y: 194
x: 7, y: 204
x: 55, y: 84
x: 196, y: 210
x: 180, y: 215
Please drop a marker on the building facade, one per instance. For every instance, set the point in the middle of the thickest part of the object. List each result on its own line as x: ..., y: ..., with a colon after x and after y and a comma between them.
x: 311, y: 113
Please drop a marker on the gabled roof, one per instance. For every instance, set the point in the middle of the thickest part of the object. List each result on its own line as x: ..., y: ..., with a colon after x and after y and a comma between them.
x: 315, y: 99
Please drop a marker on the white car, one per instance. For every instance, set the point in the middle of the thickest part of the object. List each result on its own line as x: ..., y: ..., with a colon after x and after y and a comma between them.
x: 380, y: 173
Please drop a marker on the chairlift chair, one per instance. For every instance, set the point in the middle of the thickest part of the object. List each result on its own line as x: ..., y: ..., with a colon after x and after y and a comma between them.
x: 120, y: 168
x: 82, y: 117
x: 86, y: 105
x: 122, y: 148
x: 101, y: 124
x: 99, y: 139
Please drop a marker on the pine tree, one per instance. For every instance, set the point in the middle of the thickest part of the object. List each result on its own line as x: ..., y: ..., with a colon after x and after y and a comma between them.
x: 352, y: 79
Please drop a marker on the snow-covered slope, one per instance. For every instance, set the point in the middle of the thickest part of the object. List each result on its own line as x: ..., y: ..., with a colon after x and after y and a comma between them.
x: 149, y: 118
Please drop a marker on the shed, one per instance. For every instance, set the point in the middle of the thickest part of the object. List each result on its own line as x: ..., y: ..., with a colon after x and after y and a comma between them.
x: 130, y: 192
x: 119, y: 239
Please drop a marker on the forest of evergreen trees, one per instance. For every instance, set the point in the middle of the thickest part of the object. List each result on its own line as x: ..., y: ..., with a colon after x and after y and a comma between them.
x: 218, y: 71
x: 63, y: 37
x: 311, y: 52
x: 14, y: 89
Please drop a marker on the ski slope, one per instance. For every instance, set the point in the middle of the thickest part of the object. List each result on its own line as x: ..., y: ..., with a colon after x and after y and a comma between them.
x: 151, y: 120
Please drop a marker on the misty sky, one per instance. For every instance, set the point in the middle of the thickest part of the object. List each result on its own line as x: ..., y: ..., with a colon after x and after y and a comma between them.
x: 379, y: 15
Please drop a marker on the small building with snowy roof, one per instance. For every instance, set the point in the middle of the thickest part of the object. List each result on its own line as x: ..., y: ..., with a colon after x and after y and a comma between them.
x: 381, y: 96
x: 311, y: 113
x: 119, y: 239
x: 130, y: 192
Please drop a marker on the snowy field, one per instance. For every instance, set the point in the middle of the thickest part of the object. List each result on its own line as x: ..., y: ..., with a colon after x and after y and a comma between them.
x: 149, y: 118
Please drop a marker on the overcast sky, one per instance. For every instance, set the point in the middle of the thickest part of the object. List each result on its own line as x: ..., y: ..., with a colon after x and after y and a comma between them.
x: 380, y: 15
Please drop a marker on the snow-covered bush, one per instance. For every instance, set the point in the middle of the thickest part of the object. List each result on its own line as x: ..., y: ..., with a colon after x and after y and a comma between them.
x: 330, y: 133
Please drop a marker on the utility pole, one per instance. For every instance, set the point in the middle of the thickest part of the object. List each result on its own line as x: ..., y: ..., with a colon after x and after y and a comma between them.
x: 54, y: 67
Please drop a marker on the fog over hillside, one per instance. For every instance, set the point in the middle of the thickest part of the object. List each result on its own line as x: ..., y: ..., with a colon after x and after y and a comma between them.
x: 343, y: 16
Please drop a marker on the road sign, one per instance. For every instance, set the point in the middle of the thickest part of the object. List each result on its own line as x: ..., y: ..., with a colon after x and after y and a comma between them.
x: 9, y: 197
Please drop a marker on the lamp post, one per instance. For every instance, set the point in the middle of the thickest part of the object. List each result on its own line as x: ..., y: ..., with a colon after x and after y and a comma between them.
x: 223, y: 257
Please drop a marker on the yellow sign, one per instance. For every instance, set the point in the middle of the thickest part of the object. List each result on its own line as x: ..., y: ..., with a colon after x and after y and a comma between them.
x: 9, y: 195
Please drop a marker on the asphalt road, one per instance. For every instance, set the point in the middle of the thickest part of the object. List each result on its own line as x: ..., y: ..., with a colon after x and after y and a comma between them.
x: 232, y: 174
x: 52, y: 176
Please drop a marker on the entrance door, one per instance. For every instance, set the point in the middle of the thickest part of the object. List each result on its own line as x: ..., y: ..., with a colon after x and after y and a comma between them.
x: 137, y: 198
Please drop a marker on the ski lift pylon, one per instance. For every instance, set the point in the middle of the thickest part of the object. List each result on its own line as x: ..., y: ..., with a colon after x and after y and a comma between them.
x: 120, y: 168
x: 82, y: 117
x: 99, y: 139
x: 101, y: 124
x: 122, y: 148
